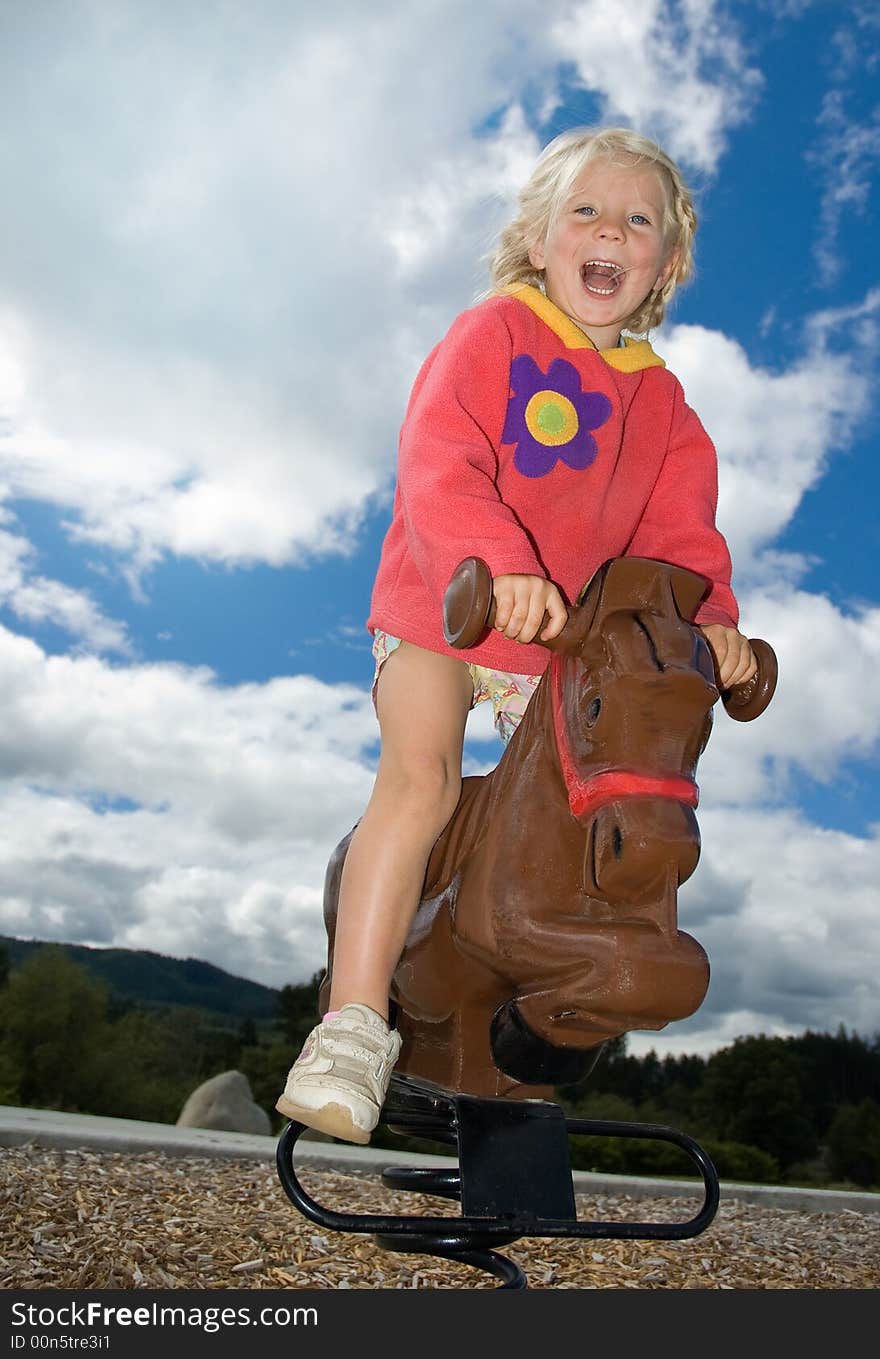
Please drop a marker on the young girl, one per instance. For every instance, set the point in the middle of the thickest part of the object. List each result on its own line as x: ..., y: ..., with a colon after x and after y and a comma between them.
x: 540, y: 439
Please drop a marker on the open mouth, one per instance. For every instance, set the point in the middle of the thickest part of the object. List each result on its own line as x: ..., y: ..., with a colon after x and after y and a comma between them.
x: 602, y: 277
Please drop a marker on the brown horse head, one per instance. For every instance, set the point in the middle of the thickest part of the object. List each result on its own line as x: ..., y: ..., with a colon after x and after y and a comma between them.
x: 628, y: 710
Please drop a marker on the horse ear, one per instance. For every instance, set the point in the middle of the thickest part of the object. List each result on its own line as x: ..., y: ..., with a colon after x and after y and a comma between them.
x: 643, y: 583
x: 654, y: 586
x: 582, y: 616
x: 630, y: 583
x: 687, y: 590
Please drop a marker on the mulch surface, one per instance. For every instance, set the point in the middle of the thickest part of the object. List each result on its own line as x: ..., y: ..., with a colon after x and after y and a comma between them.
x: 98, y: 1220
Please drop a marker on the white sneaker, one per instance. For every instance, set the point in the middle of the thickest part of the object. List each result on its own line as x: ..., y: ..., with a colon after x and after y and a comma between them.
x: 338, y: 1083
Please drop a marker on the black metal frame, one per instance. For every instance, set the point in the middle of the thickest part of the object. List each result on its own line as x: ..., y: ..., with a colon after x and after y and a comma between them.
x: 513, y: 1178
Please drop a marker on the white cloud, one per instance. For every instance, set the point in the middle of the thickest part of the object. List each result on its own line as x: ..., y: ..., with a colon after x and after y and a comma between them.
x: 150, y: 807
x: 787, y: 913
x: 37, y: 599
x: 634, y: 55
x: 826, y: 709
x: 217, y: 282
x: 848, y: 146
x: 848, y: 153
x: 860, y: 319
x: 774, y: 430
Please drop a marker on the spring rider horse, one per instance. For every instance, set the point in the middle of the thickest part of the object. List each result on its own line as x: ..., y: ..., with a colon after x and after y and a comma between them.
x: 548, y: 921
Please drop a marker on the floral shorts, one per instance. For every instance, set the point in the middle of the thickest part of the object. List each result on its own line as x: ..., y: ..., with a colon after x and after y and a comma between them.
x: 508, y: 694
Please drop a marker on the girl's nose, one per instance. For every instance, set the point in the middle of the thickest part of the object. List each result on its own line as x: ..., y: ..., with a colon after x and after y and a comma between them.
x: 609, y: 229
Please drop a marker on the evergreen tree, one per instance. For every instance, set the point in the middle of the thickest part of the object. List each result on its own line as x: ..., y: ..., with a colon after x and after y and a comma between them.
x: 836, y: 1069
x: 298, y: 1010
x: 854, y: 1144
x: 53, y: 1018
x: 752, y: 1094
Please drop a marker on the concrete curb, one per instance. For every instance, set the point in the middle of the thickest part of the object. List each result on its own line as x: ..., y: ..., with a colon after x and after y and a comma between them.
x: 49, y: 1128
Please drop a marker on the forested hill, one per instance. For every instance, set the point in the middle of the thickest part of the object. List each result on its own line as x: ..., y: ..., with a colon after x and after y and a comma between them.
x: 138, y: 977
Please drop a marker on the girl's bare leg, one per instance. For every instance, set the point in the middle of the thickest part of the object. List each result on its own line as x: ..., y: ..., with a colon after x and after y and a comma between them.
x: 422, y: 701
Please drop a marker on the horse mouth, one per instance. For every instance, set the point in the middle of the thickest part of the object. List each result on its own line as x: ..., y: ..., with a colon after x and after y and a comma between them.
x: 532, y: 1057
x: 572, y: 1024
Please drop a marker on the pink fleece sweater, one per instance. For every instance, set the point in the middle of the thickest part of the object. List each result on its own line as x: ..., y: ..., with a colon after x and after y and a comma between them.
x: 526, y: 446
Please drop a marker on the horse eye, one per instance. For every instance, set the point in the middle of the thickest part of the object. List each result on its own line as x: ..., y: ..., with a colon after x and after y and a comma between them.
x: 594, y: 710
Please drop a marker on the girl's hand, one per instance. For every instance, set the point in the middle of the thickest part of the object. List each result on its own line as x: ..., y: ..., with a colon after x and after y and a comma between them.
x: 520, y: 605
x: 734, y: 659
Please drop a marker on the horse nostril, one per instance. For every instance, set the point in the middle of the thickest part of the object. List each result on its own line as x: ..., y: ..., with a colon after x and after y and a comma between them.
x: 617, y: 843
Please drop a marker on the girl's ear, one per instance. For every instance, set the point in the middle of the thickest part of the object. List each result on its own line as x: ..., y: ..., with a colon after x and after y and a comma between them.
x: 665, y: 273
x: 536, y: 255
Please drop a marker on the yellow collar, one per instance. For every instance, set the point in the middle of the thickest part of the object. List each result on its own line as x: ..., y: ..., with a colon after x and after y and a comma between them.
x: 636, y: 355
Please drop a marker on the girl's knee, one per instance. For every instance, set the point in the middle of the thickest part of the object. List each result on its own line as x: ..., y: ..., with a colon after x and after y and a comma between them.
x: 425, y: 774
x: 427, y: 783
x: 423, y: 702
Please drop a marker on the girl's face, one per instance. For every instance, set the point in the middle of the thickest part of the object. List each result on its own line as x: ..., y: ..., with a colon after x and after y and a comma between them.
x: 606, y: 250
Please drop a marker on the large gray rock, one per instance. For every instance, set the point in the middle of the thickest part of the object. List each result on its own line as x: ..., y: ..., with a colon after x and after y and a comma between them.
x: 225, y: 1103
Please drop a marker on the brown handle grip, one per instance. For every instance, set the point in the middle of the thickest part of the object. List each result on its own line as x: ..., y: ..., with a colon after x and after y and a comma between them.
x: 468, y: 606
x: 747, y: 701
x: 468, y: 603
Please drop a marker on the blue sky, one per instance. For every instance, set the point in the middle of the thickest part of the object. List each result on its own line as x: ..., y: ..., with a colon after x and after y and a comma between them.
x: 216, y: 286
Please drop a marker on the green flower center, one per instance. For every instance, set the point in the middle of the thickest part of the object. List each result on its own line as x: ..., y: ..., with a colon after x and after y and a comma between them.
x: 551, y: 419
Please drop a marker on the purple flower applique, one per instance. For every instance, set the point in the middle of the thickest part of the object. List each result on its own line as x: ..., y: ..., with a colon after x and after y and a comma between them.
x: 549, y: 417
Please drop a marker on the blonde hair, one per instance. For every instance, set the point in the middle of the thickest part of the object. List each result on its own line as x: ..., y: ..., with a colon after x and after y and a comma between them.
x: 541, y: 200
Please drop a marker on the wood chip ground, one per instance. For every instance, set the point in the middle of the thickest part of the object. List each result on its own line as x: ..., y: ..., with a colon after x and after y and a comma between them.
x: 95, y: 1220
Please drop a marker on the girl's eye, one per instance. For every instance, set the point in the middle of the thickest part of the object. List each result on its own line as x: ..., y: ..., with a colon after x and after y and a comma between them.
x: 640, y: 219
x: 586, y: 210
